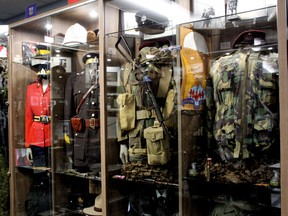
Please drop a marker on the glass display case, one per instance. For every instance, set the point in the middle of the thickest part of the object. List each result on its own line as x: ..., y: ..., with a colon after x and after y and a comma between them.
x: 54, y: 112
x: 198, y: 110
x: 174, y: 109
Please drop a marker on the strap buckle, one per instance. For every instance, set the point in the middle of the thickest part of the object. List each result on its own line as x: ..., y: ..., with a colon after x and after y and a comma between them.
x: 44, y: 119
x: 92, y: 123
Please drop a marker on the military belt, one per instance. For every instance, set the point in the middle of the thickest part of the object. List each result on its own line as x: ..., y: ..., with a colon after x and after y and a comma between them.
x: 42, y: 119
x: 92, y: 123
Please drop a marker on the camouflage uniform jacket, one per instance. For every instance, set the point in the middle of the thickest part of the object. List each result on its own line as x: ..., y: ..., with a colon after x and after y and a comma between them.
x: 242, y: 102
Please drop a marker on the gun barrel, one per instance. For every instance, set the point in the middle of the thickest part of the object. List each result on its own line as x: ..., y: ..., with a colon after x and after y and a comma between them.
x: 147, y: 81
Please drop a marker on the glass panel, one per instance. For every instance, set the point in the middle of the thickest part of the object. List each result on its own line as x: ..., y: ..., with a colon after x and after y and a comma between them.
x: 56, y: 160
x: 220, y: 107
x: 229, y: 101
x: 4, y: 157
x: 142, y: 111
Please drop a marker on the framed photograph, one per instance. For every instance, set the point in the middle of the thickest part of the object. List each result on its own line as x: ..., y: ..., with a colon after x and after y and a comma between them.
x: 247, y: 9
x: 28, y: 52
x: 214, y: 14
x: 112, y: 76
x: 128, y: 23
x: 206, y: 12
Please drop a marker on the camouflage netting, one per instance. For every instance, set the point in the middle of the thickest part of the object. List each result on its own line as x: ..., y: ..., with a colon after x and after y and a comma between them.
x: 249, y: 171
x: 138, y: 171
x: 4, y: 187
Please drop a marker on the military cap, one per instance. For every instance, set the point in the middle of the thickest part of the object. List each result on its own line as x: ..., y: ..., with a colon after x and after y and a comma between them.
x: 90, y: 57
x: 75, y: 35
x: 155, y: 43
x: 42, y: 50
x: 150, y: 22
x: 247, y: 37
x: 92, y: 35
x: 43, y: 69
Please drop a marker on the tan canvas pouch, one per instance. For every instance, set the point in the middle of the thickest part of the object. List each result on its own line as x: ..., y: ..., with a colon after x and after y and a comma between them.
x: 136, y: 150
x: 157, y: 146
x: 127, y: 114
x: 169, y: 103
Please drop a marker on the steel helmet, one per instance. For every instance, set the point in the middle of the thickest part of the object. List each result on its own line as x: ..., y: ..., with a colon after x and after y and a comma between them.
x: 75, y: 35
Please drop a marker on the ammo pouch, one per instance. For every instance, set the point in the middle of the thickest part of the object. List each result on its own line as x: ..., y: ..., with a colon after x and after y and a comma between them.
x: 157, y: 146
x: 77, y: 124
x: 126, y: 102
x: 136, y: 152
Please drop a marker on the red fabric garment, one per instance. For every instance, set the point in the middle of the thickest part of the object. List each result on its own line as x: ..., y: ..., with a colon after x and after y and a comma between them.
x: 37, y: 104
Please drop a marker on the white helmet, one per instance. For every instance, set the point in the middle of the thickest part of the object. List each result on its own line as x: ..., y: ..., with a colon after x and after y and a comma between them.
x: 195, y: 41
x: 75, y: 35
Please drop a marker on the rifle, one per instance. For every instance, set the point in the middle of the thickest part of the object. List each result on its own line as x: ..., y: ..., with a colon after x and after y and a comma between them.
x: 147, y: 81
x: 147, y: 84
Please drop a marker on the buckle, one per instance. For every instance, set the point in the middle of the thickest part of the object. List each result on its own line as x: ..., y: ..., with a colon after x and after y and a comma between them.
x: 44, y: 119
x: 92, y: 123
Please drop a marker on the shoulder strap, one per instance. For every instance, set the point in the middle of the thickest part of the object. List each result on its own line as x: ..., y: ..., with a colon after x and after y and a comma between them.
x: 84, y: 98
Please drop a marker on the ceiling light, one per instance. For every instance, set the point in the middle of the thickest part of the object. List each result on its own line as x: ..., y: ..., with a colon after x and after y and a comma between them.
x: 48, y: 26
x: 93, y: 14
x: 3, y: 29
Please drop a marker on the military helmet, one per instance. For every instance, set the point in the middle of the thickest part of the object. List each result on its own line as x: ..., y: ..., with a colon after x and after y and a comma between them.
x: 75, y: 35
x: 150, y: 22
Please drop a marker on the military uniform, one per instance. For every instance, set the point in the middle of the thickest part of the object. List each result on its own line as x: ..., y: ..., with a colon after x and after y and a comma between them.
x: 157, y: 65
x: 37, y: 133
x: 242, y: 102
x: 85, y: 144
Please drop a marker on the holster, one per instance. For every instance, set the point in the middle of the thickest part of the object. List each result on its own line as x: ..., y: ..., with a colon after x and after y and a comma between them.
x: 77, y: 124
